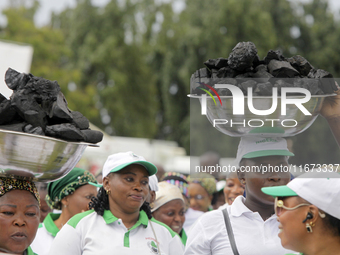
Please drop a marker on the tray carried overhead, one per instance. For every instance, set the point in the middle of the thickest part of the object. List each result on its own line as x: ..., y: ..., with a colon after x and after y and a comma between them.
x: 40, y: 158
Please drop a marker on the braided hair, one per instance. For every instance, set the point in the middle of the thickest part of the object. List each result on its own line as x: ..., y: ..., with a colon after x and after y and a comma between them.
x: 101, y: 203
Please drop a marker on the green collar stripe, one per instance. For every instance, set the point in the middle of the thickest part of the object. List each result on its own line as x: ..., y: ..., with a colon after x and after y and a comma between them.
x: 110, y: 218
x: 126, y: 239
x: 183, y: 236
x: 76, y: 218
x: 29, y: 251
x: 173, y: 233
x: 49, y: 223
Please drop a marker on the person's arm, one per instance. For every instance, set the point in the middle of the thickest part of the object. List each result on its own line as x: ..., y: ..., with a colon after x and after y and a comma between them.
x: 197, y: 241
x: 176, y: 246
x: 67, y: 242
x: 331, y: 112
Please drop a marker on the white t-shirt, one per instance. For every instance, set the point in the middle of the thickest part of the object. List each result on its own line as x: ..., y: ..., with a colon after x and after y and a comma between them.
x: 253, y: 236
x: 45, y: 235
x: 91, y: 234
x: 191, y: 216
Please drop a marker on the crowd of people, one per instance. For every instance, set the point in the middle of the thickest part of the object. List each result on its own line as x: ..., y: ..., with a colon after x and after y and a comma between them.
x: 127, y: 209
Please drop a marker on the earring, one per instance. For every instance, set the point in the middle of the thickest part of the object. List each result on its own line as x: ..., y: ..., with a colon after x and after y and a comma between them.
x: 108, y: 191
x: 309, y: 226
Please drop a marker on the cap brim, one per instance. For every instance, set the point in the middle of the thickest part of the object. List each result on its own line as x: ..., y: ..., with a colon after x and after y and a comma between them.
x: 264, y: 153
x: 95, y: 184
x: 279, y: 191
x: 150, y: 168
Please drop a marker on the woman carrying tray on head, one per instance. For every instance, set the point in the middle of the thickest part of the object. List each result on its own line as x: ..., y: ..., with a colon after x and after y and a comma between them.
x: 70, y: 194
x: 19, y: 215
x: 121, y: 222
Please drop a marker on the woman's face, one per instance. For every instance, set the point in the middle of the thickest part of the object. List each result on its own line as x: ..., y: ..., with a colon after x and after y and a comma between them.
x: 171, y: 214
x: 292, y: 230
x: 233, y: 188
x: 79, y: 201
x: 128, y: 188
x: 199, y: 197
x: 19, y: 220
x: 256, y: 180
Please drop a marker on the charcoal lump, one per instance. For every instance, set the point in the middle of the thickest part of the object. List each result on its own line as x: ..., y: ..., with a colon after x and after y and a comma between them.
x: 38, y: 106
x: 274, y: 70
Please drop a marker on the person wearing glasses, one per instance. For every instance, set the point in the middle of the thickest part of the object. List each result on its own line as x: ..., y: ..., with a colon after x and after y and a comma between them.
x: 201, y: 189
x: 308, y: 212
x: 252, y: 227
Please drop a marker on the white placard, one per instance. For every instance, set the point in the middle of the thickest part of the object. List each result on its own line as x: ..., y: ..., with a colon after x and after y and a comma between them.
x: 16, y: 56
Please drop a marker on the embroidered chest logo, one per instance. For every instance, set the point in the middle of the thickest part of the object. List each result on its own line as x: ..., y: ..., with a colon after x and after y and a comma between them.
x: 153, y: 247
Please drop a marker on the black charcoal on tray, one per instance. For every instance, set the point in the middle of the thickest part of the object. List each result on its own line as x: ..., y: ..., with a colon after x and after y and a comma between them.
x: 38, y: 106
x: 327, y: 82
x: 282, y: 69
x: 204, y: 75
x: 278, y: 83
x: 277, y: 55
x: 92, y: 136
x: 262, y: 76
x: 7, y: 112
x: 27, y: 107
x: 300, y: 64
x: 33, y: 130
x: 15, y: 126
x: 216, y: 63
x: 79, y: 120
x: 225, y: 91
x: 313, y: 85
x: 310, y: 84
x: 15, y: 80
x: 58, y: 108
x: 242, y: 56
x: 226, y: 72
x: 65, y: 131
x: 221, y: 62
x: 264, y: 89
x: 247, y: 84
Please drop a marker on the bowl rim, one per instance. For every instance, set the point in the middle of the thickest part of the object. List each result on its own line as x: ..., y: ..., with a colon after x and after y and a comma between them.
x: 265, y: 97
x: 49, y: 138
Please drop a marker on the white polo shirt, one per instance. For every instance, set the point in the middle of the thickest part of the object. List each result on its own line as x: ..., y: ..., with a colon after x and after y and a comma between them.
x: 45, y: 235
x: 253, y: 236
x: 91, y: 234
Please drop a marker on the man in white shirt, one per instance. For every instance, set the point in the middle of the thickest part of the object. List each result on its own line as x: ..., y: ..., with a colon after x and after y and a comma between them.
x: 252, y: 218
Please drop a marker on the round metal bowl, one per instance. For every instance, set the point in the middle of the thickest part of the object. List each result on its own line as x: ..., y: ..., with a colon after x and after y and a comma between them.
x: 41, y: 158
x: 294, y: 122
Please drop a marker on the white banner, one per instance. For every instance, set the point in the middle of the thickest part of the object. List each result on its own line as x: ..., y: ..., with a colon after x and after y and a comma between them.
x: 16, y: 56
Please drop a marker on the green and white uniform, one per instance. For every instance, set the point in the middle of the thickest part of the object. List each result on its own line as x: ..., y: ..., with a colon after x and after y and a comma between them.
x: 29, y: 251
x: 183, y: 236
x: 45, y: 235
x: 91, y: 234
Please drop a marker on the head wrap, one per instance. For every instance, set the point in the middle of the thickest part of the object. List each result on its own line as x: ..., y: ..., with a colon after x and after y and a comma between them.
x: 207, y: 181
x: 179, y: 180
x: 166, y: 193
x: 65, y: 186
x: 9, y: 184
x: 153, y: 182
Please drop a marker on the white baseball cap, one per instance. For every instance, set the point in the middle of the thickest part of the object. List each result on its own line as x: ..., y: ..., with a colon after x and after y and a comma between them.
x: 254, y: 147
x: 318, y: 188
x: 118, y: 161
